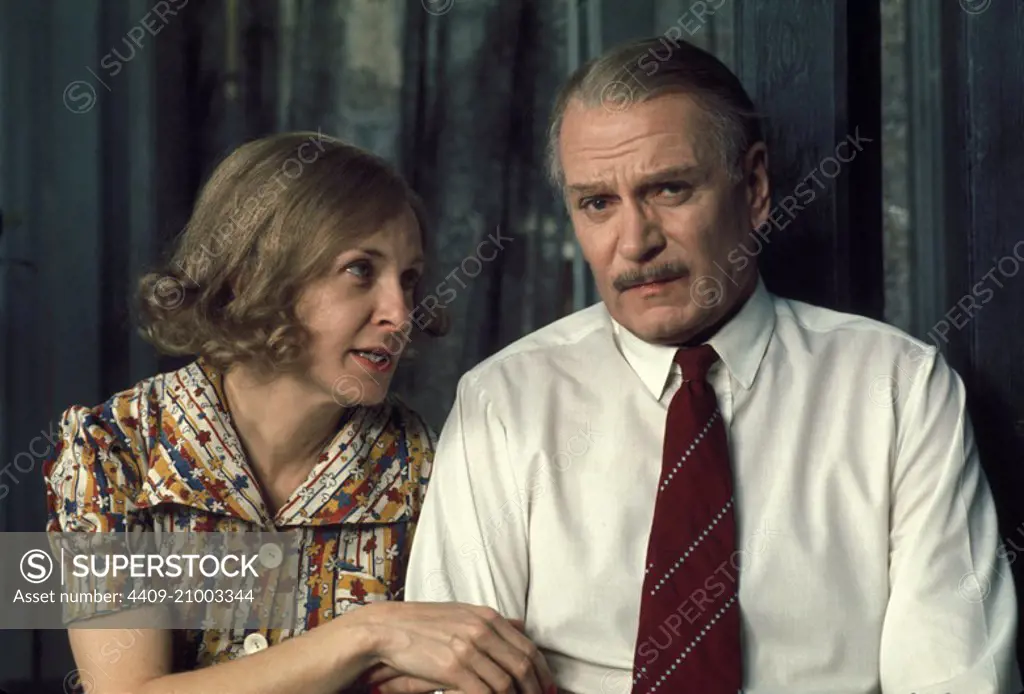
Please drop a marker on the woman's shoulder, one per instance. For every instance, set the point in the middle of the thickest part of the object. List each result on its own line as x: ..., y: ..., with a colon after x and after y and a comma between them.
x: 98, y: 466
x: 420, y: 445
x: 120, y: 422
x: 411, y: 423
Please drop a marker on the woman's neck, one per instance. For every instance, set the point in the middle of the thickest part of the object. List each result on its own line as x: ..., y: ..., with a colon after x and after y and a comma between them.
x: 283, y: 423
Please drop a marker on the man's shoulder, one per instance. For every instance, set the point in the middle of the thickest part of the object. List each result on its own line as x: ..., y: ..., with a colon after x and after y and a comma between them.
x: 563, y: 338
x: 818, y: 325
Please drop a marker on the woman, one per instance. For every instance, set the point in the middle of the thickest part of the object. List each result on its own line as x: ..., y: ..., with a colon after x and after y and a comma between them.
x: 292, y: 284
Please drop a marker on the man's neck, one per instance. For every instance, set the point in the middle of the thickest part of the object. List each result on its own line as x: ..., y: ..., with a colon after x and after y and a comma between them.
x: 743, y: 297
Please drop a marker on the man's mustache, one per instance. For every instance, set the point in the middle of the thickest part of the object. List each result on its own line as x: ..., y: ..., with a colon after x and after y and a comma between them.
x: 660, y: 273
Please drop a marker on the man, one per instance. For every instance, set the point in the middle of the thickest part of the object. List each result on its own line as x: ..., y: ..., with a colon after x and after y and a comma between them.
x: 696, y: 486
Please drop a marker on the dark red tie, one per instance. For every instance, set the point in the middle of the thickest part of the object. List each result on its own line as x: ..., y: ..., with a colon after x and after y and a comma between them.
x: 689, y: 636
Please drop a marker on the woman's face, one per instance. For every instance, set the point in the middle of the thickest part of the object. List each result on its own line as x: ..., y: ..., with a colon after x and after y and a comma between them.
x: 358, y: 314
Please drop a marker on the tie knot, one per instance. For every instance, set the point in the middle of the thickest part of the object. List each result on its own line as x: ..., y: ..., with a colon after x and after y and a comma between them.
x: 696, y: 361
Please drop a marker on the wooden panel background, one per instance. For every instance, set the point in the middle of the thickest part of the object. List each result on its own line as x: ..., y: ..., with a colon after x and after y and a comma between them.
x: 984, y: 103
x: 813, y: 68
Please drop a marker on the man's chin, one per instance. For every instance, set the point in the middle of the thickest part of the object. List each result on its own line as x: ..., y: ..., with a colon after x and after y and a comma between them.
x: 664, y: 324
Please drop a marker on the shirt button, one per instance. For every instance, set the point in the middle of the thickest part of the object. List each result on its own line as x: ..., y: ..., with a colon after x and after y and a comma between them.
x: 254, y: 643
x: 271, y: 556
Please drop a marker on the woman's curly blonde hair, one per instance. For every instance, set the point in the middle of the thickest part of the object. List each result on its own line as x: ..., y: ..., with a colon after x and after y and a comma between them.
x: 272, y: 217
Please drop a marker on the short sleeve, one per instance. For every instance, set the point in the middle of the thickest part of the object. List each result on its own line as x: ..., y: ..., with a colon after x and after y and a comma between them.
x: 92, y: 484
x: 95, y: 477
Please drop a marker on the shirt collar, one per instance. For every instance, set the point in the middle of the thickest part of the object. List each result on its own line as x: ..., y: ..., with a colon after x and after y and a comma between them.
x: 740, y: 343
x: 196, y: 460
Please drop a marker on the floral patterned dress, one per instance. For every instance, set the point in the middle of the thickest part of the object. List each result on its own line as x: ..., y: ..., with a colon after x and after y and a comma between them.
x: 164, y: 456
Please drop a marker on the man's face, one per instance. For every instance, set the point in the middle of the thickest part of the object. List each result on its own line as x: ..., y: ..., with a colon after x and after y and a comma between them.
x: 657, y: 217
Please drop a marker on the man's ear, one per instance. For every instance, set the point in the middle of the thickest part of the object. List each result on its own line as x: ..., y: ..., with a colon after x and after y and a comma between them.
x: 756, y: 185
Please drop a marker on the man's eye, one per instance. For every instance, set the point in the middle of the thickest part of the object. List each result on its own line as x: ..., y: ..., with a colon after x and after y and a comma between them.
x: 673, y: 188
x: 596, y: 204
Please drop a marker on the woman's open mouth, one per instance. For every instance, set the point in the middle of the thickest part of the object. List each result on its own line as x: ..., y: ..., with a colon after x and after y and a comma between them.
x: 378, y: 360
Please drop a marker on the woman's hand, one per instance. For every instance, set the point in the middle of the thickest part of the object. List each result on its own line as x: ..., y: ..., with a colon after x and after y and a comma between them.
x: 451, y: 646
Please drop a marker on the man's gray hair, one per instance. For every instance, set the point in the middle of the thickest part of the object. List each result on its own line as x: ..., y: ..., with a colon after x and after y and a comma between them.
x: 642, y: 70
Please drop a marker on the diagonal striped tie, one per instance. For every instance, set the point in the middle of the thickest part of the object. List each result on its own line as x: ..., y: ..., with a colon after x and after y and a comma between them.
x: 689, y: 636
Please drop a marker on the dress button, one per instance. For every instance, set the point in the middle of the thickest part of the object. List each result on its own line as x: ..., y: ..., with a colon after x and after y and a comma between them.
x: 254, y: 643
x: 271, y: 556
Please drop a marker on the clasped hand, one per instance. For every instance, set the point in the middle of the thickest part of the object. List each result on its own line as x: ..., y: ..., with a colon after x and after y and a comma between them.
x: 423, y: 647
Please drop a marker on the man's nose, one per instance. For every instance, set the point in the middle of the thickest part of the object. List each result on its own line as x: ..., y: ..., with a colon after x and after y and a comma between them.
x: 640, y: 236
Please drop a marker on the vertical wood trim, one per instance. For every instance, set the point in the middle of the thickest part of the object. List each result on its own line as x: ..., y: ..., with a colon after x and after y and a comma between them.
x: 859, y: 220
x: 984, y: 301
x: 927, y: 166
x: 813, y: 70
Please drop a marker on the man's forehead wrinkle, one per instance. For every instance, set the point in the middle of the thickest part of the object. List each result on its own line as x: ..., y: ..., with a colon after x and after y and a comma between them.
x: 598, y: 178
x: 670, y: 137
x: 634, y: 172
x: 610, y: 149
x: 667, y: 154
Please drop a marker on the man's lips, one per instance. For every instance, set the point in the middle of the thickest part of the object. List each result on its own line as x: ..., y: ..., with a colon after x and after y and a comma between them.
x: 653, y: 283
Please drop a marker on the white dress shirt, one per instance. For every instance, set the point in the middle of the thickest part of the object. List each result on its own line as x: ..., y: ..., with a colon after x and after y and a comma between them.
x: 869, y: 545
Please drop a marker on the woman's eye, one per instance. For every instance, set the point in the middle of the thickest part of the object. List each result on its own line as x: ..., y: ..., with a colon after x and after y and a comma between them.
x: 362, y: 269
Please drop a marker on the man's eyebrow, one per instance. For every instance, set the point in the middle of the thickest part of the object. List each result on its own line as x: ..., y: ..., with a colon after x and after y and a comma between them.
x: 669, y: 174
x: 585, y: 188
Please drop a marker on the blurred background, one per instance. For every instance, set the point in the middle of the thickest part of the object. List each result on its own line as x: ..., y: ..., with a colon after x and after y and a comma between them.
x: 113, y: 112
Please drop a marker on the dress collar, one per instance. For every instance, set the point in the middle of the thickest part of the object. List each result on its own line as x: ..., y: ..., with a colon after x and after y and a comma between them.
x: 196, y: 460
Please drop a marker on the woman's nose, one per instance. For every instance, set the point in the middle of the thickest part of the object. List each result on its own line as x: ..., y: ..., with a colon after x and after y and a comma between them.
x: 394, y: 306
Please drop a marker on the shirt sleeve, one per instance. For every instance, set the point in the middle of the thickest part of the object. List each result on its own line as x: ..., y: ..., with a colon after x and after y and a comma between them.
x: 94, y: 478
x: 951, y: 620
x: 471, y: 541
x: 92, y: 484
